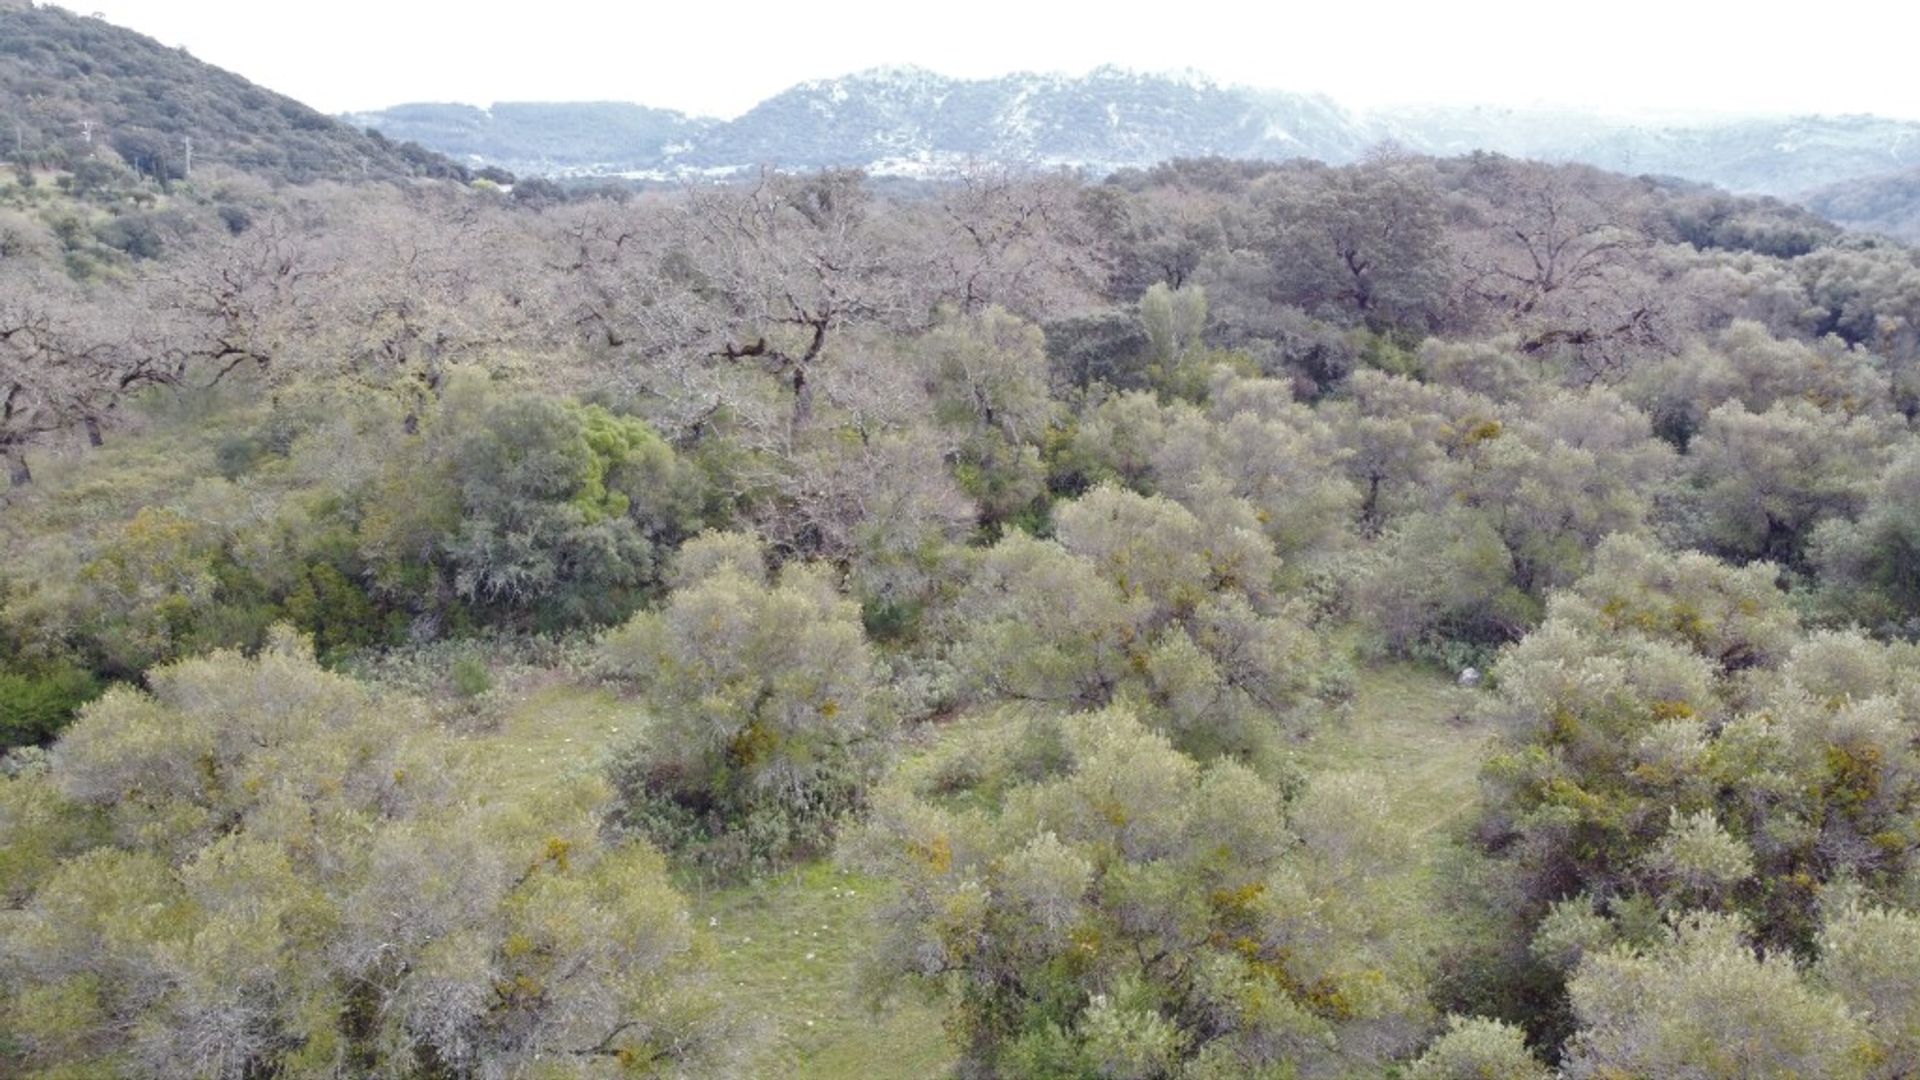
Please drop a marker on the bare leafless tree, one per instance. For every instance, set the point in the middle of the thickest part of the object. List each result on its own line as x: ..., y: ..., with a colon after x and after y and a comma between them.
x: 1559, y: 255
x: 997, y: 236
x: 68, y: 357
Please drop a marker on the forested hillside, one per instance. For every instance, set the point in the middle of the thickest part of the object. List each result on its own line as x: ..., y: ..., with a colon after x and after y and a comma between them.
x: 1425, y: 617
x: 1887, y: 204
x: 538, y: 137
x: 74, y: 89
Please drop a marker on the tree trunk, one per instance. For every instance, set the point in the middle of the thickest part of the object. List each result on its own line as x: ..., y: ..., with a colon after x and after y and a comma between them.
x: 802, y: 398
x: 1370, y: 507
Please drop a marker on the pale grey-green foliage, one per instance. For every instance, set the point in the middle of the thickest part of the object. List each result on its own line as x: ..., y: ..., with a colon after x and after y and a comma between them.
x: 1173, y: 319
x: 988, y: 370
x: 1234, y: 672
x: 1260, y: 446
x: 1734, y: 616
x: 1561, y: 671
x: 1156, y: 550
x: 1679, y: 742
x: 886, y: 507
x: 1748, y: 364
x: 1040, y: 624
x: 1478, y: 1049
x: 1394, y: 432
x: 1252, y: 451
x: 1870, y: 958
x: 1699, y: 859
x: 1571, y: 931
x: 1120, y: 437
x: 1489, y: 506
x: 713, y: 553
x: 766, y: 723
x: 1764, y: 480
x: 1139, y: 600
x: 1193, y: 928
x: 1866, y: 565
x: 293, y: 879
x: 1128, y: 1041
x: 1437, y: 576
x: 985, y: 374
x: 1493, y: 368
x: 1702, y: 1004
x: 1559, y: 474
x: 1344, y: 818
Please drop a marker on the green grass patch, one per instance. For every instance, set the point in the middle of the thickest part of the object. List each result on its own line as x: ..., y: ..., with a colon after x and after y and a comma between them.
x: 1415, y: 728
x: 554, y: 731
x: 785, y: 951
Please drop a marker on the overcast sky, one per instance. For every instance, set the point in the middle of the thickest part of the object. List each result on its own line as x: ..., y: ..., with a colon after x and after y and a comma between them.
x: 719, y: 58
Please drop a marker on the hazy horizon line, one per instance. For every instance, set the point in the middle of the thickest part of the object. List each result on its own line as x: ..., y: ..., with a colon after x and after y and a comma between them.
x: 1671, y: 115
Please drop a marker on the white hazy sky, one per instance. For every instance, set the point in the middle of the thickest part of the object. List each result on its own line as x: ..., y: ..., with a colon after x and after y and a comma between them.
x: 718, y: 57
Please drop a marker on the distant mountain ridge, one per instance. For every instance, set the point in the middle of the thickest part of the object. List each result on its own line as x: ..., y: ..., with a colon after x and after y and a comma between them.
x: 897, y: 118
x: 541, y: 137
x: 1785, y: 156
x: 905, y: 121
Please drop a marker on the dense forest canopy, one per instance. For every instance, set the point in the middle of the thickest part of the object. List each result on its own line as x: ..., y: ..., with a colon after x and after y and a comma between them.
x: 1436, y: 617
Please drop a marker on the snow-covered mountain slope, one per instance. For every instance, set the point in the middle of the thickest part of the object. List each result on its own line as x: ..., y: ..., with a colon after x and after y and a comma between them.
x: 908, y: 121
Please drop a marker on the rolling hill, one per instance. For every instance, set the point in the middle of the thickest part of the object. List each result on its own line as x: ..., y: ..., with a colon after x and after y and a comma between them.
x: 1888, y: 204
x: 72, y: 87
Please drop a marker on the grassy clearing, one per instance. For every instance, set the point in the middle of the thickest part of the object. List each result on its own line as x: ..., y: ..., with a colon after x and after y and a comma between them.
x: 1414, y: 727
x: 78, y: 490
x: 784, y: 949
x: 554, y: 730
